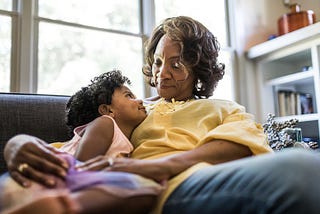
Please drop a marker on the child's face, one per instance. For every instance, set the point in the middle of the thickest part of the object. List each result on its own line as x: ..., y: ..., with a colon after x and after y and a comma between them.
x: 126, y: 107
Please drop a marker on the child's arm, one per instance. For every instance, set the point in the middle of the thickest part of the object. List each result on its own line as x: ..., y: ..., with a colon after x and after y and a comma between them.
x: 96, y: 139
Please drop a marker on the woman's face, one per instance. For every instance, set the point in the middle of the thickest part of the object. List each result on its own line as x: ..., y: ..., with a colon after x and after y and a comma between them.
x: 171, y: 77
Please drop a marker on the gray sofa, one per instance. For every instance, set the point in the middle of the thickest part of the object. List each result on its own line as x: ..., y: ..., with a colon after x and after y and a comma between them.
x: 39, y: 115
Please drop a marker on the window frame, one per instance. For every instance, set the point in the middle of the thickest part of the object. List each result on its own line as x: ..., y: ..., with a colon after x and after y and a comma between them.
x: 25, y: 32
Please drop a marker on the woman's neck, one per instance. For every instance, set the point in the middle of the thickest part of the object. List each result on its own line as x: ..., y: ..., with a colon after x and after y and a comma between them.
x: 179, y: 99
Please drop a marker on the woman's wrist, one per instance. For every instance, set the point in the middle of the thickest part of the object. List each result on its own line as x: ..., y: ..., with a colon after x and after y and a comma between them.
x: 175, y: 164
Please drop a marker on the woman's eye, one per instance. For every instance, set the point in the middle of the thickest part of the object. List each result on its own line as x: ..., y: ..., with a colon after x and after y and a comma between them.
x: 176, y: 65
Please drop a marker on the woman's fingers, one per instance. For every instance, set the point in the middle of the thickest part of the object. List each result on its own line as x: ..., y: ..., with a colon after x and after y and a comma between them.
x: 148, y: 168
x: 43, y: 164
x: 94, y: 164
x: 29, y: 158
x: 39, y: 176
x: 20, y: 179
x: 48, y: 153
x: 40, y: 159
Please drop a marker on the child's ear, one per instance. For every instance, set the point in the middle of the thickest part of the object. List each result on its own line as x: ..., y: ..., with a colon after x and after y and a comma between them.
x: 105, y: 109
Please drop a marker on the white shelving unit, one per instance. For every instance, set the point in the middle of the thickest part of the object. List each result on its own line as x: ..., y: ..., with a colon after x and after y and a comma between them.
x: 281, y: 66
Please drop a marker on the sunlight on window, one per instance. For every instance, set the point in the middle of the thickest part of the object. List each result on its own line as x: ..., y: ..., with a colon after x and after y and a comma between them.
x: 70, y: 57
x: 119, y: 15
x: 5, y: 52
x: 225, y: 88
x: 6, y: 5
x: 213, y: 16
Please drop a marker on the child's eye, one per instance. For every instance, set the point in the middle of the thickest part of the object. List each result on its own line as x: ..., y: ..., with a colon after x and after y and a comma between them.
x: 130, y: 95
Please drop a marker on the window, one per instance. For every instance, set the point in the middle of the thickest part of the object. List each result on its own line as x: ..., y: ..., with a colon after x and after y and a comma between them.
x: 89, y: 38
x: 56, y: 47
x: 68, y: 57
x: 5, y: 4
x: 6, y: 15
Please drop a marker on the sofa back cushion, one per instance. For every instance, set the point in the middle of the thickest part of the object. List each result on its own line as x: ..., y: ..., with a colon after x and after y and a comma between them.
x: 40, y: 115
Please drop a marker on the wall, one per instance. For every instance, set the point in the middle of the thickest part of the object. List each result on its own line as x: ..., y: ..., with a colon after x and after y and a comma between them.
x: 256, y: 20
x: 252, y: 21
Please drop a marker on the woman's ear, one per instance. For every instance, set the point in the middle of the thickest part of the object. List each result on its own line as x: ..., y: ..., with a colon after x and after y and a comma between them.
x: 105, y: 109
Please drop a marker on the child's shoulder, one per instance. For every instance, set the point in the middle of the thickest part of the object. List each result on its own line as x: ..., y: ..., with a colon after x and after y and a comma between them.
x: 104, y: 120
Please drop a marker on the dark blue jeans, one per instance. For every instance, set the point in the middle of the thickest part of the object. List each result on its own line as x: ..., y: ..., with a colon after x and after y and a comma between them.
x: 284, y: 182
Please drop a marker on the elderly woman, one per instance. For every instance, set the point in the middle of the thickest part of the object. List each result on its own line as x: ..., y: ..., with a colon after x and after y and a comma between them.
x: 191, y: 142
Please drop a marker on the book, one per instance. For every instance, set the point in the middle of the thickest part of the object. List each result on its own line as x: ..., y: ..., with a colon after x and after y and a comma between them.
x: 306, y: 103
x: 282, y: 103
x: 294, y: 103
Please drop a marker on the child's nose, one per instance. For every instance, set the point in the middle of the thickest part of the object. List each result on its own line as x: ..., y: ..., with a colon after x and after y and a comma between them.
x: 139, y: 101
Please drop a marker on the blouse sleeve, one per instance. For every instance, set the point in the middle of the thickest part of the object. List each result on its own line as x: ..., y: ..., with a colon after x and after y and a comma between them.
x: 239, y: 127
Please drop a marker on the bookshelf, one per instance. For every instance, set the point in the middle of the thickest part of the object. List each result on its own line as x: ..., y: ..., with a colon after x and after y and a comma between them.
x: 287, y: 71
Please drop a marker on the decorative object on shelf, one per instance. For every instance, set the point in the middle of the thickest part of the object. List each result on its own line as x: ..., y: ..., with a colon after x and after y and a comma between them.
x: 283, y: 134
x: 306, y: 68
x: 295, y: 19
x: 312, y: 142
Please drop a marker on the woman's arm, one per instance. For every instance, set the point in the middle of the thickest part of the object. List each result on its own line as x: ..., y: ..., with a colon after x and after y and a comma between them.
x: 214, y: 152
x: 41, y: 159
x: 96, y: 139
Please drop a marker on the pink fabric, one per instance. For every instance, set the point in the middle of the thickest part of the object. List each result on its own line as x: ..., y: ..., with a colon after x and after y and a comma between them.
x: 120, y: 145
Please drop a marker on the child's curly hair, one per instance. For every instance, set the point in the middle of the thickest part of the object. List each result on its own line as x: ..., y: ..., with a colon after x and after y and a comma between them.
x: 82, y: 107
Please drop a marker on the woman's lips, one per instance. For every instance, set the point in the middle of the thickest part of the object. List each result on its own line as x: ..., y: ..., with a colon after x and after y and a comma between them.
x: 165, y: 85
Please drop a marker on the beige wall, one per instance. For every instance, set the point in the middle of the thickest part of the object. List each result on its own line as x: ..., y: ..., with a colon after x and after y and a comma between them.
x: 255, y: 20
x: 252, y: 22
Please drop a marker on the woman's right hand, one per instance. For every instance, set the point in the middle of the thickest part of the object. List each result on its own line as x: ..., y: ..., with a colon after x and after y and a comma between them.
x: 31, y: 159
x: 156, y: 169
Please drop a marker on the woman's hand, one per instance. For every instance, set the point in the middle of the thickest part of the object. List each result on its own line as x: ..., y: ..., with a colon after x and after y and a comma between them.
x: 213, y: 152
x: 154, y: 169
x: 30, y: 159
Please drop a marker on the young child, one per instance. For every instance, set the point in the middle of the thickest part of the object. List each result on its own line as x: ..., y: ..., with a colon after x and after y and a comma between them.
x: 102, y: 117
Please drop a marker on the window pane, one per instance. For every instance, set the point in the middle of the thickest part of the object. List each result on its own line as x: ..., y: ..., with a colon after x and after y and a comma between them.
x: 213, y: 16
x: 70, y: 57
x: 5, y: 52
x: 5, y: 4
x: 208, y: 12
x: 225, y: 89
x: 118, y: 15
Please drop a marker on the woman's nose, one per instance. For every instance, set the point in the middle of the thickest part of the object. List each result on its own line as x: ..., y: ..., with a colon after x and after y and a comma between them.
x: 164, y: 72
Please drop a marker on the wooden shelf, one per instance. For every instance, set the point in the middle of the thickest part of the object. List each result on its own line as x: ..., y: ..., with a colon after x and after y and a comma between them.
x: 285, y: 40
x: 300, y: 77
x: 301, y: 117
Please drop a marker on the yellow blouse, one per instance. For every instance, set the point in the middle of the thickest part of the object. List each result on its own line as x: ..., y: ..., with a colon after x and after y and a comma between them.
x: 178, y: 126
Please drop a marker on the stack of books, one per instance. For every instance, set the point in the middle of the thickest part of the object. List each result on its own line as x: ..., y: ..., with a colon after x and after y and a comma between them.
x: 294, y: 103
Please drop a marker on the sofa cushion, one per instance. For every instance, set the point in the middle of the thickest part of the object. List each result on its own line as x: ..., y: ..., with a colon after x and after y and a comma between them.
x: 39, y: 115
